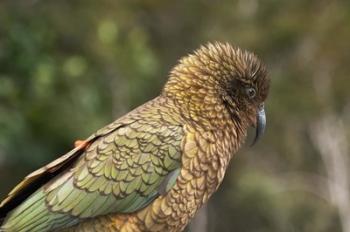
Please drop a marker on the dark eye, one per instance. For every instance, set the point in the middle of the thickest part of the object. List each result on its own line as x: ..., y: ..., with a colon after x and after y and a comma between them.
x: 251, y: 92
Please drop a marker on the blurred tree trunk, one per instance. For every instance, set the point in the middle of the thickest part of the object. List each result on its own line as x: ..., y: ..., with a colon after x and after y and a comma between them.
x: 328, y: 134
x: 330, y: 139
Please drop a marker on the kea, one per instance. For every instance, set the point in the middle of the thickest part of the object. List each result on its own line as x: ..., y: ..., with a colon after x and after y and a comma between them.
x: 153, y: 168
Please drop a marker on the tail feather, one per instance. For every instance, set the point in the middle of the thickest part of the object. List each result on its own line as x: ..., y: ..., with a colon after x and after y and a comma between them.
x: 33, y: 215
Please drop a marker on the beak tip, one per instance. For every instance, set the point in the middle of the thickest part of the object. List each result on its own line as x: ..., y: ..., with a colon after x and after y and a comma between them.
x: 260, y: 125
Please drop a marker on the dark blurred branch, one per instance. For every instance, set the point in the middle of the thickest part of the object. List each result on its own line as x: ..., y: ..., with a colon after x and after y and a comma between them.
x: 199, y: 223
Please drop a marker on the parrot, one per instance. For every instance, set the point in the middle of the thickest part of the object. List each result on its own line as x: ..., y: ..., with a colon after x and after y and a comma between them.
x: 152, y: 169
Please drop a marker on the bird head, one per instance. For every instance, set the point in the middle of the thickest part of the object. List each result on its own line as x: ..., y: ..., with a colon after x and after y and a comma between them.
x: 220, y: 83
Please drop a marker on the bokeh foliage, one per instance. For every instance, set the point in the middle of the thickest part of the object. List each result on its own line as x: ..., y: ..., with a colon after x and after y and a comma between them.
x: 69, y: 67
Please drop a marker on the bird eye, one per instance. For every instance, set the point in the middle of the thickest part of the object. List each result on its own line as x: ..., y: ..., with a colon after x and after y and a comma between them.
x: 251, y: 92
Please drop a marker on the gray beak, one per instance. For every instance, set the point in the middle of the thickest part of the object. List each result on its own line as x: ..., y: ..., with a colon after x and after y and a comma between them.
x: 260, y: 124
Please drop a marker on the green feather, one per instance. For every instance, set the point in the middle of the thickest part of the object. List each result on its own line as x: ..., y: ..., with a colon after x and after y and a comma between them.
x: 121, y: 172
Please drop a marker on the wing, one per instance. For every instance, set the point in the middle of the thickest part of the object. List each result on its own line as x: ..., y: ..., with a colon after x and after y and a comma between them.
x: 122, y: 171
x: 38, y: 178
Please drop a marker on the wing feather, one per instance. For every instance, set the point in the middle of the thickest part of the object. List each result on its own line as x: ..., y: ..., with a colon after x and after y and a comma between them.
x: 124, y: 167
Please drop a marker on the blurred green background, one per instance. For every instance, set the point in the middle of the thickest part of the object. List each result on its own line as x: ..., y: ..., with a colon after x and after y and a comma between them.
x: 68, y: 68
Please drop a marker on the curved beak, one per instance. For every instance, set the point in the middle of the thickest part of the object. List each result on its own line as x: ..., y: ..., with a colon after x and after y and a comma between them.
x: 260, y: 124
